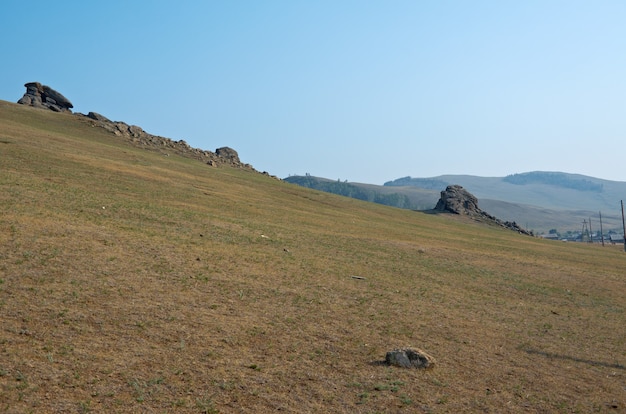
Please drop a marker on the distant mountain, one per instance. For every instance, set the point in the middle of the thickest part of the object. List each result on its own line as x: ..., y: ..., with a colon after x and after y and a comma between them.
x: 553, y: 190
x: 537, y: 200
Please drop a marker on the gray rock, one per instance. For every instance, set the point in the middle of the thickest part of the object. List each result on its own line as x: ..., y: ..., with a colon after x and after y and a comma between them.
x: 96, y: 116
x: 42, y: 96
x: 409, y: 358
x: 59, y: 99
x: 135, y: 131
x: 457, y: 200
x: 228, y: 153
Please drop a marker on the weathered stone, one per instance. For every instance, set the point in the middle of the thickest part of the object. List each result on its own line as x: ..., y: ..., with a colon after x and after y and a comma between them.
x: 228, y: 153
x: 98, y: 117
x: 135, y: 131
x: 455, y: 199
x: 30, y: 100
x: 54, y: 107
x: 59, y: 99
x: 409, y: 358
x: 42, y: 96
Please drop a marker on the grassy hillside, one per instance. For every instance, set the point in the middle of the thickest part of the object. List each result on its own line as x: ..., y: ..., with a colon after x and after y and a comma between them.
x: 135, y: 282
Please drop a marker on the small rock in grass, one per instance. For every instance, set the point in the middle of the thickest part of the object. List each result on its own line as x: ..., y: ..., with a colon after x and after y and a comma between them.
x: 409, y: 358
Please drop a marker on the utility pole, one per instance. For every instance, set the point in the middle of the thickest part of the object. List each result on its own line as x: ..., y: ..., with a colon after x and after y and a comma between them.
x: 590, y: 232
x: 623, y: 225
x: 601, y: 232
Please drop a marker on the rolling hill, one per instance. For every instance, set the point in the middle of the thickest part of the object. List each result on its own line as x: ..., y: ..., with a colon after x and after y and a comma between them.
x: 538, y: 201
x: 140, y: 280
x: 551, y: 190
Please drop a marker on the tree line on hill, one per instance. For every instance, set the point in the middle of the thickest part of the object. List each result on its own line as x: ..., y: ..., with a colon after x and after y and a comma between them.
x: 353, y: 191
x: 553, y: 178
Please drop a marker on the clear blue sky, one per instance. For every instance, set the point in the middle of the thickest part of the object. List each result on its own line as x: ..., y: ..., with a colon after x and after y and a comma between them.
x: 365, y: 91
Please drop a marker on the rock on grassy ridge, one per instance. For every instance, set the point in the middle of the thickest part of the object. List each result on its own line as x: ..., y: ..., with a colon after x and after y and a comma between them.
x: 457, y: 200
x: 44, y: 97
x: 138, y: 137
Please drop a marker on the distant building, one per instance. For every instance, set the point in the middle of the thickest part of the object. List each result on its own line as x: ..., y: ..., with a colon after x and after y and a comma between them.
x: 552, y: 236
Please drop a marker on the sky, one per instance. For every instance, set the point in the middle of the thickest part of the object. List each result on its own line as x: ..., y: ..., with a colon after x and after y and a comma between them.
x: 364, y: 91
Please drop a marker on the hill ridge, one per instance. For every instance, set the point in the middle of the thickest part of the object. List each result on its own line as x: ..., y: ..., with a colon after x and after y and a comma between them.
x: 44, y: 97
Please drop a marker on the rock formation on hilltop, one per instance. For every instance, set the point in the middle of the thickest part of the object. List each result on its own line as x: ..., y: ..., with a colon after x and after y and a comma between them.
x: 229, y: 154
x: 42, y: 96
x: 457, y: 200
x: 140, y: 138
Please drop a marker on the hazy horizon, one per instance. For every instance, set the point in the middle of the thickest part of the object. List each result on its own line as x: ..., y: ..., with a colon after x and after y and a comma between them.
x: 364, y: 92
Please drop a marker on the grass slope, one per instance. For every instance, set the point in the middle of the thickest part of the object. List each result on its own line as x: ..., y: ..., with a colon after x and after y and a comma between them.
x: 134, y: 282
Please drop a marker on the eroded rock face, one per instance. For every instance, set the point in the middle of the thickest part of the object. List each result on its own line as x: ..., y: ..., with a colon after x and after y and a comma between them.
x: 43, y: 96
x: 229, y: 154
x: 458, y: 200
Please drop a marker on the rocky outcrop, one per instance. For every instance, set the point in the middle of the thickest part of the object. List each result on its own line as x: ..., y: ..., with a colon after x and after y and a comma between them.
x: 140, y: 138
x: 457, y: 200
x: 228, y: 154
x: 42, y: 96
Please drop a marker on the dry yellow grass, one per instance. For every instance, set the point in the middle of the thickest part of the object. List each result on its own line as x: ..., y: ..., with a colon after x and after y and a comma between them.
x: 134, y: 282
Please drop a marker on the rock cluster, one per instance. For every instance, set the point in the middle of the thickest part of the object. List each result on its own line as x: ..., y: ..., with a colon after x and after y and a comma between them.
x: 457, y: 200
x: 409, y: 358
x: 42, y: 96
x: 138, y: 137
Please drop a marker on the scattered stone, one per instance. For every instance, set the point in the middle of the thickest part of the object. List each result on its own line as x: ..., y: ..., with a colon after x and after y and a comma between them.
x: 409, y: 358
x: 43, y: 96
x: 140, y: 138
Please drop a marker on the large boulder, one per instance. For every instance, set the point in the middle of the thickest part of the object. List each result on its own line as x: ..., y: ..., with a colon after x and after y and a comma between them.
x: 43, y: 96
x: 455, y: 199
x: 229, y: 154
